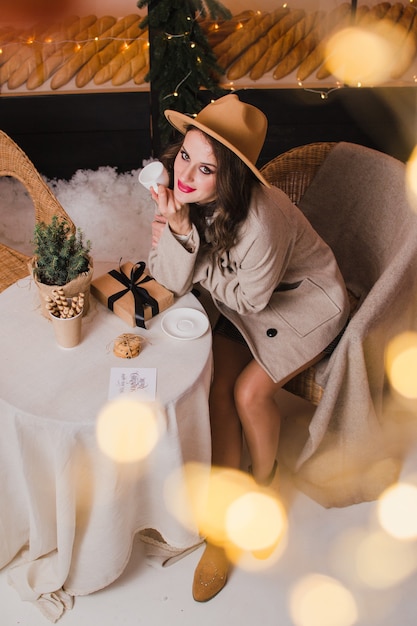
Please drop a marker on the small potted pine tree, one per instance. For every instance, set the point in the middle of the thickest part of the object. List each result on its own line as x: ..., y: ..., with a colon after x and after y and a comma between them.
x: 61, y: 259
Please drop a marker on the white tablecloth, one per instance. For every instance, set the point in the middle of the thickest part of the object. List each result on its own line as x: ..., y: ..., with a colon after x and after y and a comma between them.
x: 69, y: 510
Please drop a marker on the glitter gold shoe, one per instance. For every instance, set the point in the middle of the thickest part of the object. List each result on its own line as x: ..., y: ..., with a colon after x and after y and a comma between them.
x: 211, y: 573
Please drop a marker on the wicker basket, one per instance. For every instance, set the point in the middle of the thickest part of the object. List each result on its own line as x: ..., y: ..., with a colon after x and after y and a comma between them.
x: 15, y: 163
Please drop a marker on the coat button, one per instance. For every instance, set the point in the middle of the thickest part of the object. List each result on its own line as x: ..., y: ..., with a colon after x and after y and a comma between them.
x: 271, y: 332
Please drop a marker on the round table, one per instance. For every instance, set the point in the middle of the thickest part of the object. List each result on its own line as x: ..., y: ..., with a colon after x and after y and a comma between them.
x: 72, y: 512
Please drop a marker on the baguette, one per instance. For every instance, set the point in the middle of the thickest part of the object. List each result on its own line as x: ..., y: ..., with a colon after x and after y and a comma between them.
x: 140, y: 77
x: 291, y: 38
x: 104, y: 56
x: 19, y: 39
x: 216, y: 32
x: 408, y: 50
x: 41, y: 50
x: 56, y: 60
x: 107, y: 72
x: 74, y: 64
x: 235, y: 37
x: 248, y: 59
x: 16, y: 53
x: 373, y: 15
x: 130, y: 69
x: 302, y: 48
x: 360, y: 14
x: 382, y: 11
x: 8, y: 36
x: 250, y: 35
x: 395, y: 12
x: 270, y: 57
x: 338, y: 18
x: 361, y: 17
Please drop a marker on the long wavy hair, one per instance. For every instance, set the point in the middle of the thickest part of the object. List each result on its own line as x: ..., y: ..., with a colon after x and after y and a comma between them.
x: 234, y: 186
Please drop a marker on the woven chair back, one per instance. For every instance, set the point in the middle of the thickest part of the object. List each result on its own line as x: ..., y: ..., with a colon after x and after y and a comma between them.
x: 294, y: 170
x: 15, y: 163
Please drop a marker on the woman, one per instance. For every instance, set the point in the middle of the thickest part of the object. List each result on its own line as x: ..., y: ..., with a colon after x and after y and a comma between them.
x: 276, y: 284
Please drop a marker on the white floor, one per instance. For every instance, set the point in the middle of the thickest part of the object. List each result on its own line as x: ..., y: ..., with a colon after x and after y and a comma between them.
x: 320, y: 541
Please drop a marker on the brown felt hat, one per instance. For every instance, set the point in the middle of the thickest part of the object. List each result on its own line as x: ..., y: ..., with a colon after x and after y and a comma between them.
x: 239, y: 126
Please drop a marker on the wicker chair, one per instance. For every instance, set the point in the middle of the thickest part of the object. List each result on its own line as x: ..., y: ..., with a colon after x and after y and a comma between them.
x: 15, y: 163
x: 293, y: 172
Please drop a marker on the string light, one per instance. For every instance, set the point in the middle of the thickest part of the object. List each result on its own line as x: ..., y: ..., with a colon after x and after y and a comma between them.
x: 175, y: 92
x: 323, y: 93
x: 78, y: 42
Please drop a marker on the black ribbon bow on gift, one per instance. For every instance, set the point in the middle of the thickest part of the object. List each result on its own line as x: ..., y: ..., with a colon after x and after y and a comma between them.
x: 140, y: 294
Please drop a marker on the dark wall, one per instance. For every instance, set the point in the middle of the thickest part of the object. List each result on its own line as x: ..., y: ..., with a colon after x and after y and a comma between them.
x: 384, y: 119
x: 63, y: 133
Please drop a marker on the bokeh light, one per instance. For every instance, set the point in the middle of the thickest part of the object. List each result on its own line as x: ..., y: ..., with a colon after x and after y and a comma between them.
x: 359, y: 56
x: 229, y: 508
x: 397, y: 511
x: 127, y: 430
x: 255, y: 521
x: 318, y: 600
x: 411, y: 178
x: 384, y: 562
x: 401, y: 364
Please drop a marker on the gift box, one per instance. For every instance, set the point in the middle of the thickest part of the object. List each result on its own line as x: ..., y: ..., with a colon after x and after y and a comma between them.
x: 131, y: 293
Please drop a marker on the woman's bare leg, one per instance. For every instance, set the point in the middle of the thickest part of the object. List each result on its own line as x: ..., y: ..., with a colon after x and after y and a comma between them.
x: 230, y: 359
x: 259, y: 415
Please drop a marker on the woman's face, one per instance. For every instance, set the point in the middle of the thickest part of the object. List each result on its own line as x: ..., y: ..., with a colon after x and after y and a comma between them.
x: 195, y: 169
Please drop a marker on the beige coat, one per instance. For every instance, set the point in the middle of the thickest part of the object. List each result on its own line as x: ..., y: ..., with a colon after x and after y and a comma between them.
x: 280, y: 284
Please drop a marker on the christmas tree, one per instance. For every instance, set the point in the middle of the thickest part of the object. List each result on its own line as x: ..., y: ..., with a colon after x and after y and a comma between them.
x: 181, y: 59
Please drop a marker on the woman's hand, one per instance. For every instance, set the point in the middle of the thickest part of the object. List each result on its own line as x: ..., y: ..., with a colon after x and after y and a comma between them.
x: 177, y: 215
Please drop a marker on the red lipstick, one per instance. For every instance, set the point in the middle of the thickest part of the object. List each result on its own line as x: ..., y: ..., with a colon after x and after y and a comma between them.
x: 184, y: 188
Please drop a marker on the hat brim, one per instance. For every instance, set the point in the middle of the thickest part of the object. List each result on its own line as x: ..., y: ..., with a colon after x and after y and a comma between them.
x: 181, y: 122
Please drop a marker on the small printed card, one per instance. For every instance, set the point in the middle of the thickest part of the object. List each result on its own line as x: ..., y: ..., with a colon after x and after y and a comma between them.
x: 139, y: 382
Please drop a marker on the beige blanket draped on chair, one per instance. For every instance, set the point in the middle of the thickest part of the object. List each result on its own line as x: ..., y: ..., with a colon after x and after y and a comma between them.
x: 351, y: 449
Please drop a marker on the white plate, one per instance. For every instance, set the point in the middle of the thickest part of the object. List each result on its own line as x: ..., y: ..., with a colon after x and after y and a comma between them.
x: 184, y: 323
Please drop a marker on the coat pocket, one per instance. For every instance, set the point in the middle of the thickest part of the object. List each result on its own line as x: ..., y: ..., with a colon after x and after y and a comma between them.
x: 305, y: 307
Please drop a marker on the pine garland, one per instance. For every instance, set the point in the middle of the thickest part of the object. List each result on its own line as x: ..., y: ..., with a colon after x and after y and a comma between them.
x: 60, y: 254
x: 182, y: 61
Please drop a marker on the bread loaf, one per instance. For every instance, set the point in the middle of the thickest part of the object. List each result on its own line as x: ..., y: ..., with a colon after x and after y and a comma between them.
x: 376, y: 13
x: 41, y: 50
x: 107, y: 72
x: 132, y: 67
x: 17, y: 52
x: 370, y: 18
x: 140, y: 77
x: 74, y: 64
x: 249, y: 36
x: 360, y: 16
x: 291, y: 38
x: 408, y: 50
x: 8, y: 35
x: 216, y: 32
x: 248, y: 59
x: 104, y: 56
x: 338, y: 18
x: 14, y: 43
x: 58, y: 58
x: 270, y: 57
x: 233, y: 38
x: 395, y: 12
x: 302, y: 48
